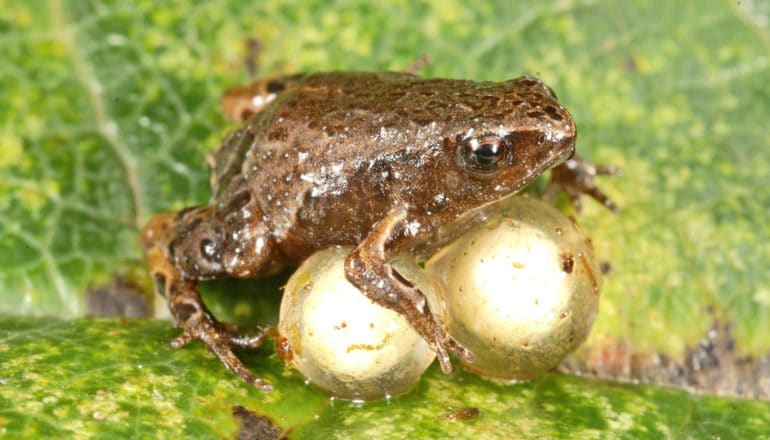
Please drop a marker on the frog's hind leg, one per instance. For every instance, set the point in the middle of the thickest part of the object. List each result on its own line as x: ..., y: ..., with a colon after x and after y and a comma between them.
x: 181, y: 250
x: 368, y: 269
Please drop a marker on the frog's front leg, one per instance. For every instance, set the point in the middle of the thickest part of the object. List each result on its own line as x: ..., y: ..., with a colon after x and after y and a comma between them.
x: 191, y: 245
x: 368, y: 269
x: 576, y: 177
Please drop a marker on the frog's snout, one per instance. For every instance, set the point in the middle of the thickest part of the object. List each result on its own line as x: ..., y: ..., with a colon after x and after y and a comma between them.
x: 571, y: 149
x: 566, y: 144
x: 572, y: 153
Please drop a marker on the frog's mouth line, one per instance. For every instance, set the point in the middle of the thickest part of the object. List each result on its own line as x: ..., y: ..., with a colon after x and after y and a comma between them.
x: 560, y: 159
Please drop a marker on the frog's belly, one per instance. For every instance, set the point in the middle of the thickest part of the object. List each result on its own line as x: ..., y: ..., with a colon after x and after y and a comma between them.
x: 329, y: 221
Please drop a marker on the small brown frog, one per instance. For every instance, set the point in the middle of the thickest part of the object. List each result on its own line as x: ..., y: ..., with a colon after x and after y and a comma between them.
x: 388, y: 162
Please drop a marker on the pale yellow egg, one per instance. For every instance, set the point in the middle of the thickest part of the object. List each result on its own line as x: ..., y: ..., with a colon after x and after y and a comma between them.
x: 343, y: 342
x: 522, y: 290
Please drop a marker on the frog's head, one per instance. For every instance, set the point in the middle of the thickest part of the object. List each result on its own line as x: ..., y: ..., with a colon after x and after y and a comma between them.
x: 516, y: 137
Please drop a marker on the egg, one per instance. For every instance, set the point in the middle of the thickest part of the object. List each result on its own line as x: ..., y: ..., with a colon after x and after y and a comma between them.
x: 343, y: 342
x: 522, y: 289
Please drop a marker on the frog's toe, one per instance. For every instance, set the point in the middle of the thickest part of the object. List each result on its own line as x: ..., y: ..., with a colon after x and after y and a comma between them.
x: 461, y: 352
x: 605, y: 170
x: 602, y: 198
x: 443, y: 358
x: 180, y: 341
x: 219, y: 339
x: 576, y: 177
x: 450, y: 345
x: 248, y: 341
x: 220, y: 345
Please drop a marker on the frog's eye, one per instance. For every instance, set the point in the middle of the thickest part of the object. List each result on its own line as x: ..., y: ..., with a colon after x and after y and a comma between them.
x: 484, y: 154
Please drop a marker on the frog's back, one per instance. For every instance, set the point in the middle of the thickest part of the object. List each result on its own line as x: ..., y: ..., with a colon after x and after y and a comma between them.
x: 341, y: 116
x: 331, y: 140
x: 308, y: 109
x: 315, y: 118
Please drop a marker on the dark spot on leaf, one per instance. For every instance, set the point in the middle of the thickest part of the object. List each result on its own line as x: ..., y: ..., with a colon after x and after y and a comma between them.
x: 713, y: 365
x: 256, y: 426
x: 461, y: 414
x: 121, y: 298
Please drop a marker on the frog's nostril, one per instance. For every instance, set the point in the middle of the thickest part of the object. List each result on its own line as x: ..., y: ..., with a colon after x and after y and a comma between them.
x: 571, y: 146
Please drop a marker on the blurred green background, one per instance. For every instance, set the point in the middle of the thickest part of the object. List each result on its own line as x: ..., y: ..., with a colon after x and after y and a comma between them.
x: 107, y: 110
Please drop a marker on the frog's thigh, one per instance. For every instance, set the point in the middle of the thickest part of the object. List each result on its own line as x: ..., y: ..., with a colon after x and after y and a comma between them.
x: 249, y: 249
x: 175, y: 267
x: 210, y: 244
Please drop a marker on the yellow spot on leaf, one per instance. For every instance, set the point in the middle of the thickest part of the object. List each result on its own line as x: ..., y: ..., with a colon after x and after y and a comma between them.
x: 762, y: 296
x: 10, y: 150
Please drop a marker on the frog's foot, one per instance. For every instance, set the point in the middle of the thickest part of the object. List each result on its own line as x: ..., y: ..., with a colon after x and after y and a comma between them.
x: 197, y: 323
x: 445, y: 344
x: 576, y: 177
x: 186, y: 305
x: 419, y: 63
x: 413, y: 305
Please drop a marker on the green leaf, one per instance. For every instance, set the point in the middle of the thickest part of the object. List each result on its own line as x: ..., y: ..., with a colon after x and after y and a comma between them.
x: 109, y: 378
x: 107, y: 110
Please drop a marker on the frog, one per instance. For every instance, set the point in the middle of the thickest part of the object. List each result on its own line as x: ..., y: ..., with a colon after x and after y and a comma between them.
x: 387, y: 162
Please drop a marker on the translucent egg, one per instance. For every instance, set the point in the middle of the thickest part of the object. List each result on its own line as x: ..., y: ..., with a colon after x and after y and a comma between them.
x: 522, y: 290
x: 343, y: 342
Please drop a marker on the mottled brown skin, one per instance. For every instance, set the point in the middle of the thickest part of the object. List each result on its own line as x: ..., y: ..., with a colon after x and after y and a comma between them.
x: 387, y: 162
